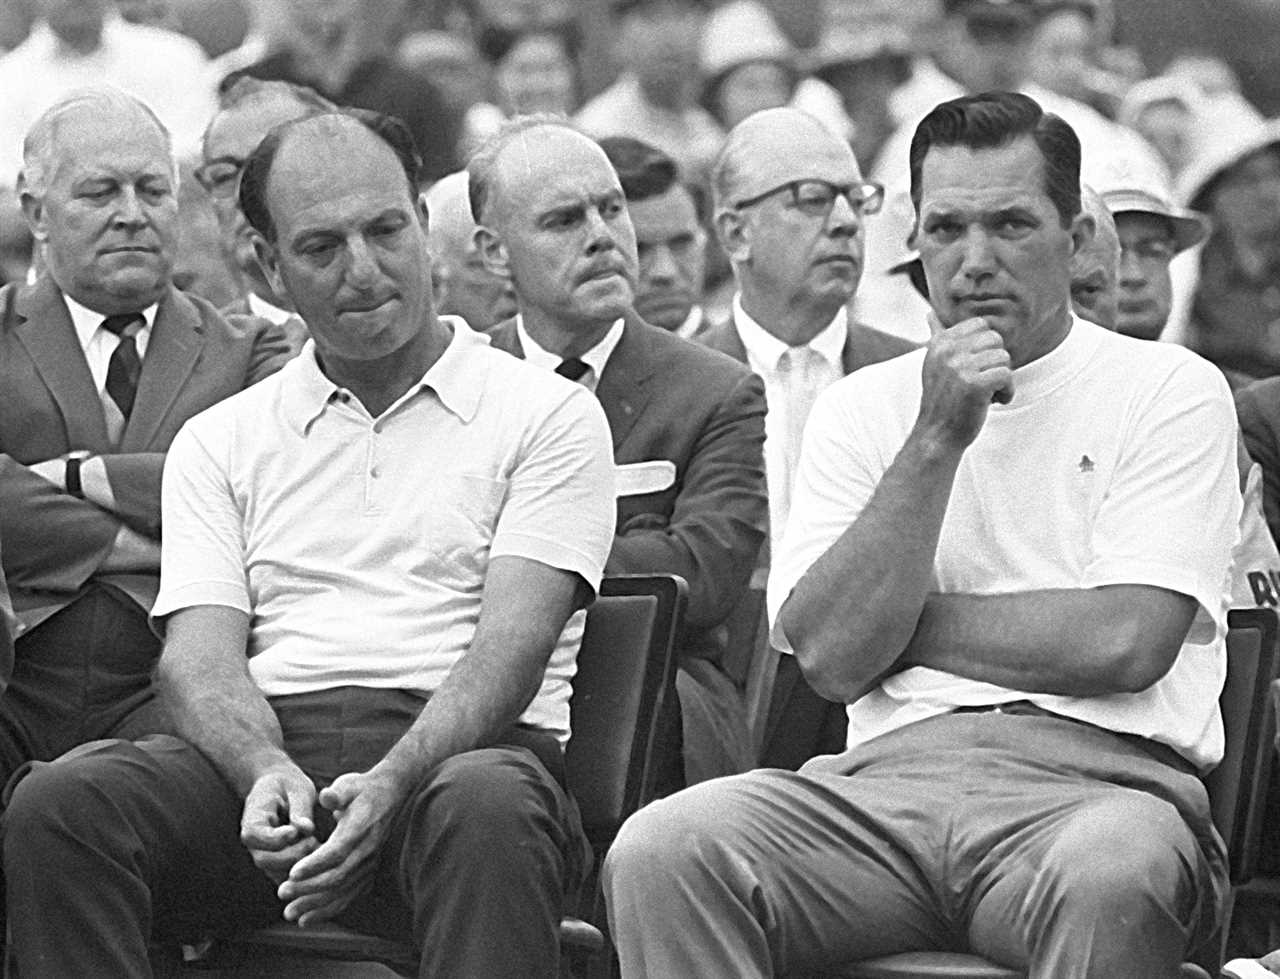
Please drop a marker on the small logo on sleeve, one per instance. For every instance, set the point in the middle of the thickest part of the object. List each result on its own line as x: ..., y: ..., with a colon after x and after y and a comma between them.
x: 1086, y: 464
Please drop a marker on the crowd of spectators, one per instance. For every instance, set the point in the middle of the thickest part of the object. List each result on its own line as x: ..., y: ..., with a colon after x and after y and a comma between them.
x: 753, y: 171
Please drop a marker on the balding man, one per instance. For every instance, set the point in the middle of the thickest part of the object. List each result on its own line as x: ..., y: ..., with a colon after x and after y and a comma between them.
x: 102, y: 360
x: 400, y: 529
x: 465, y: 285
x: 687, y: 423
x: 247, y: 111
x: 1095, y: 267
x: 789, y: 204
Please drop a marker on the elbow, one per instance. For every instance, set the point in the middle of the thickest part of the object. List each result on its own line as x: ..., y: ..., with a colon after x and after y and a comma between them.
x: 1134, y: 666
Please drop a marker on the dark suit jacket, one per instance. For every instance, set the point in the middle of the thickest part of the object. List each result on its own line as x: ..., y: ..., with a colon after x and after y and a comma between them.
x: 666, y: 398
x: 53, y: 542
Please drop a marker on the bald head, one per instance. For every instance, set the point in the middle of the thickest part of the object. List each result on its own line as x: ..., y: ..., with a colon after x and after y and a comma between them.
x: 553, y: 219
x: 466, y: 287
x: 1095, y: 268
x: 103, y: 107
x: 773, y: 146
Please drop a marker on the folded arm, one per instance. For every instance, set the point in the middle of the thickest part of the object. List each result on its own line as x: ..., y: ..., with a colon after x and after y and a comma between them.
x: 1079, y: 642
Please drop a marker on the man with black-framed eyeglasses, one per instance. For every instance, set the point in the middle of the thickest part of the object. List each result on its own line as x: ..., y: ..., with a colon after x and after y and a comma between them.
x: 789, y: 207
x: 247, y: 111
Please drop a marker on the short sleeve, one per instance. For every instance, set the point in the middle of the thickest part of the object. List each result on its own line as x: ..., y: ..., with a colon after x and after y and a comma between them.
x: 202, y: 555
x: 838, y: 471
x: 1171, y: 515
x: 559, y: 508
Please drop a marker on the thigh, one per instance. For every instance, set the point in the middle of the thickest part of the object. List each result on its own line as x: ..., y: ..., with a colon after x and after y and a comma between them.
x: 78, y: 676
x: 154, y: 809
x: 818, y: 861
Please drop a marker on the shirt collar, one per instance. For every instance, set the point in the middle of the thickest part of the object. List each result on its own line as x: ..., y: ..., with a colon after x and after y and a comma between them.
x: 457, y: 379
x: 87, y: 322
x: 766, y: 349
x: 596, y: 358
x: 270, y: 312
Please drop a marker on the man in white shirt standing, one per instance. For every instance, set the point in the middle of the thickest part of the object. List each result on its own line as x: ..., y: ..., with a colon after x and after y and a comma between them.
x: 1008, y: 554
x: 374, y: 570
x: 790, y: 205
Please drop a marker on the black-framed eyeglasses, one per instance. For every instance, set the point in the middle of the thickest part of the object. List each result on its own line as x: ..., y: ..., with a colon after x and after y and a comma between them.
x: 219, y: 177
x: 816, y: 198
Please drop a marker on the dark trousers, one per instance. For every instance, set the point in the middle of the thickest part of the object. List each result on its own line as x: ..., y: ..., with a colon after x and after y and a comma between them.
x: 117, y: 841
x: 82, y: 674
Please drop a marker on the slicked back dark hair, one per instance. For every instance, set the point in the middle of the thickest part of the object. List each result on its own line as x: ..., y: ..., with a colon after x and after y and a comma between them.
x: 257, y: 168
x: 644, y: 171
x: 994, y: 119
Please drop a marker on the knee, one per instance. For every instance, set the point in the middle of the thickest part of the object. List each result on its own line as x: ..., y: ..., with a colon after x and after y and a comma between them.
x: 672, y: 838
x: 481, y: 794
x: 1112, y: 855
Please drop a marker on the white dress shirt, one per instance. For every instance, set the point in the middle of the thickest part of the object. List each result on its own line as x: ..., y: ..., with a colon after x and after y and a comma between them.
x: 595, y: 358
x: 793, y: 378
x: 99, y: 344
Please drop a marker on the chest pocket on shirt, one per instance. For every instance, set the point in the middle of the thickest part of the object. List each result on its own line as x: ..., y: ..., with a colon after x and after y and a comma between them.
x: 450, y: 541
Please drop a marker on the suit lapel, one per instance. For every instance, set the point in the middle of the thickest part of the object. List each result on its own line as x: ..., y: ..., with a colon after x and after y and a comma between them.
x: 733, y: 345
x: 176, y: 341
x: 46, y: 331
x: 623, y: 389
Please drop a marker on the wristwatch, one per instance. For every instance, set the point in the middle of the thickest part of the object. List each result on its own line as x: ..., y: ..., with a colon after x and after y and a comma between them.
x: 71, y: 478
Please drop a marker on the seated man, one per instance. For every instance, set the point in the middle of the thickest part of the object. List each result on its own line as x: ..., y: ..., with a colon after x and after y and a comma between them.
x: 1008, y: 553
x: 102, y: 360
x: 671, y: 245
x: 247, y: 111
x: 464, y: 285
x: 373, y: 566
x: 1095, y: 268
x: 687, y: 422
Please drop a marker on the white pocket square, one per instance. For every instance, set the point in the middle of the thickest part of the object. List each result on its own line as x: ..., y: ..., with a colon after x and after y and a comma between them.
x: 637, y: 478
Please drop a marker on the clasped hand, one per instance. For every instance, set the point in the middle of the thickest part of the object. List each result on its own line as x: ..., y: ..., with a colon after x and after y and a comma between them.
x: 315, y: 880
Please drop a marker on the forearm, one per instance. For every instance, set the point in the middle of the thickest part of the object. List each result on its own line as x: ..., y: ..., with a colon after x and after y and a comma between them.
x: 1084, y: 642
x: 525, y: 609
x: 204, y: 679
x: 855, y: 609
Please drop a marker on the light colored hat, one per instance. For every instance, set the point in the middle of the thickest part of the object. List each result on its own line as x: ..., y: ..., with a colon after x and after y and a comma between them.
x: 1154, y: 91
x: 739, y: 33
x: 1220, y: 149
x: 1189, y: 227
x: 856, y: 33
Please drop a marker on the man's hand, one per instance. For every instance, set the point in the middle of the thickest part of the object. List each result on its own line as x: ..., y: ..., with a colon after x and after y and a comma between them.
x: 276, y: 825
x: 132, y: 552
x: 965, y: 370
x: 323, y: 883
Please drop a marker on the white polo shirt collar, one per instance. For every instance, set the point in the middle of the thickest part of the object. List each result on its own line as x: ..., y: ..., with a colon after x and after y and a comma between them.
x: 457, y: 379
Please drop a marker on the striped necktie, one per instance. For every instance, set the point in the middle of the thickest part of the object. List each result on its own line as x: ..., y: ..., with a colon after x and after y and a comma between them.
x: 123, y: 371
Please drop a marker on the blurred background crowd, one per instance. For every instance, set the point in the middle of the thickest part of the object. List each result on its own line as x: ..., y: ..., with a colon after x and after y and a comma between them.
x: 1178, y: 92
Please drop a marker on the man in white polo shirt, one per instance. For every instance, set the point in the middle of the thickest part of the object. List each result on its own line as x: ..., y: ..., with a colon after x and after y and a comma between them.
x: 373, y: 575
x: 1008, y: 554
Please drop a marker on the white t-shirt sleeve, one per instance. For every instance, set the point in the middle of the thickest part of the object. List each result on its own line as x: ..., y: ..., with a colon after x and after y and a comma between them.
x: 840, y: 467
x: 559, y: 508
x: 202, y: 556
x: 1171, y: 516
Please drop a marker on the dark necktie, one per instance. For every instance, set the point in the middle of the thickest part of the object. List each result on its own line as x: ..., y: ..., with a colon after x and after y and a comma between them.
x: 125, y: 365
x: 572, y: 368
